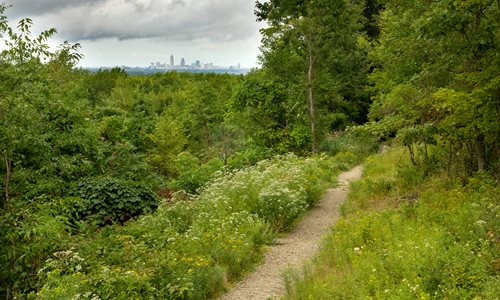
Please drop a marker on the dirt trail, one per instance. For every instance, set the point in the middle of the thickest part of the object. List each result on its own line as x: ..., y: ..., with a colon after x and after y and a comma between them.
x: 295, y: 248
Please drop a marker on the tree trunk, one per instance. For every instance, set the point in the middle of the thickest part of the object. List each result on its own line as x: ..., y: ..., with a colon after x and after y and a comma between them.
x: 426, y: 152
x: 412, y: 155
x: 450, y: 156
x: 8, y: 170
x: 310, y: 99
x: 481, y: 153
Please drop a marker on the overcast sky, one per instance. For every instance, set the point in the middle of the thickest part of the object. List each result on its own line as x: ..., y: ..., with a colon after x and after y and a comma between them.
x: 137, y: 32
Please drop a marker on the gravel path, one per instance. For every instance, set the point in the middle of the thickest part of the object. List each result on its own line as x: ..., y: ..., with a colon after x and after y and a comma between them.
x: 299, y: 245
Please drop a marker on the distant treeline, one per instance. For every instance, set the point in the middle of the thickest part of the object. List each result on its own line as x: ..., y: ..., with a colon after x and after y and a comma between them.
x: 150, y: 71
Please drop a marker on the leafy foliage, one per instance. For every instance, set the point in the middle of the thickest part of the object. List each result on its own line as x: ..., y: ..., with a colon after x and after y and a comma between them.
x: 437, y: 67
x: 29, y: 234
x: 354, y: 140
x: 262, y: 106
x: 314, y: 52
x: 30, y: 90
x: 192, y: 174
x: 108, y: 200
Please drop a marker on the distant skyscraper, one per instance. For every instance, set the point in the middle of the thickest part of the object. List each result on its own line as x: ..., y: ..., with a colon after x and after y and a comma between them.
x: 198, y: 64
x: 171, y: 60
x: 183, y: 62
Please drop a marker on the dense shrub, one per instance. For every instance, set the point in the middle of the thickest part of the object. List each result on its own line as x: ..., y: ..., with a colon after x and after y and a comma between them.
x: 191, y: 173
x: 355, y: 140
x: 29, y: 234
x: 108, y: 200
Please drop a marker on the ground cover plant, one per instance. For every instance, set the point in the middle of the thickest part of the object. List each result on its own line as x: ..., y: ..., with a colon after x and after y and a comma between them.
x: 406, y: 236
x: 193, y: 247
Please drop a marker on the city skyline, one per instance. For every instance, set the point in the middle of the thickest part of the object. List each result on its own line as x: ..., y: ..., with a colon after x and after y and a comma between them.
x: 195, y: 64
x: 136, y: 32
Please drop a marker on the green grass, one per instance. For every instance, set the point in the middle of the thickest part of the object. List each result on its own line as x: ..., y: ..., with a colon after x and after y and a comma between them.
x: 407, y: 236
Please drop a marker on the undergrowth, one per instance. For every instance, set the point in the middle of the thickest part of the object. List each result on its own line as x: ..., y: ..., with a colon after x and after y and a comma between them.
x: 407, y: 236
x: 194, y: 247
x: 115, y: 240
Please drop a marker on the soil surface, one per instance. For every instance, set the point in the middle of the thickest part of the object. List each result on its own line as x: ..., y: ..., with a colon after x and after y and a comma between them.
x: 296, y: 247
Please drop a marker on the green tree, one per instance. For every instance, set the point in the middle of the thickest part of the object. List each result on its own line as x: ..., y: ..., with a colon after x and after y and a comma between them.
x: 46, y: 140
x: 266, y: 113
x: 100, y: 84
x: 169, y: 140
x: 438, y: 66
x: 317, y: 46
x: 26, y: 113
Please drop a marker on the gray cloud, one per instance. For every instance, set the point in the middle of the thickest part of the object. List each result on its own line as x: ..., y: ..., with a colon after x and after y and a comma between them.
x: 174, y: 20
x: 27, y: 8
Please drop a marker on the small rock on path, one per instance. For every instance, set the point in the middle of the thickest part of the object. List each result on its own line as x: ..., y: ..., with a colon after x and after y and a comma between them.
x: 299, y: 245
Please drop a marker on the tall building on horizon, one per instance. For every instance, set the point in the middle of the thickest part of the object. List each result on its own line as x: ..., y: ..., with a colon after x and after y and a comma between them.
x: 171, y: 60
x: 183, y: 62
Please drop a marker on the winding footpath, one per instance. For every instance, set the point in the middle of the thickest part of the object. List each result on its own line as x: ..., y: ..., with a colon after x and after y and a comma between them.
x: 294, y: 249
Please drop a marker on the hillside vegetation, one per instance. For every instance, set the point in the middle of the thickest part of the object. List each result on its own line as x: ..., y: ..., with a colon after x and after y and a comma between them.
x: 187, y: 248
x: 405, y: 235
x: 168, y: 186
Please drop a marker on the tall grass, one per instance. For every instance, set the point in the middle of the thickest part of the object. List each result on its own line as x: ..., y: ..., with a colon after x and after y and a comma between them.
x: 407, y: 236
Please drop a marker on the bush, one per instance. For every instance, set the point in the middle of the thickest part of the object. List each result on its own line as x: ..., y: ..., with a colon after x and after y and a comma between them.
x: 108, y: 200
x: 247, y: 157
x: 279, y: 205
x: 354, y: 140
x: 191, y: 174
x: 29, y: 234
